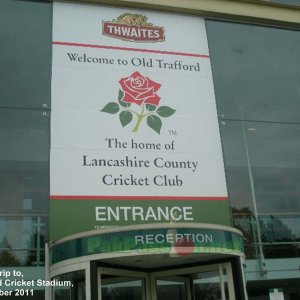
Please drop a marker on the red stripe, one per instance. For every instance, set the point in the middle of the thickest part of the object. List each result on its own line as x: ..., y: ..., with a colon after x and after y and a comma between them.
x: 179, y: 198
x: 130, y: 49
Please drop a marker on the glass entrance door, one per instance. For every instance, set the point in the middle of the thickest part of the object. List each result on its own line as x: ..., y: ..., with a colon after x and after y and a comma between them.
x: 207, y: 285
x: 212, y: 282
x: 115, y: 287
x: 175, y: 288
x: 116, y: 284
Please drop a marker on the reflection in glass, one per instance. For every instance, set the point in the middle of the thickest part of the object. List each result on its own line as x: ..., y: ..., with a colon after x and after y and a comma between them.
x: 24, y: 161
x: 268, y: 197
x: 281, y: 236
x: 255, y: 71
x: 275, y: 164
x: 256, y: 81
x: 172, y: 287
x: 22, y: 241
x: 206, y: 285
x: 125, y: 288
x: 280, y: 228
x: 25, y: 54
x: 24, y: 186
x: 73, y: 290
x: 246, y: 223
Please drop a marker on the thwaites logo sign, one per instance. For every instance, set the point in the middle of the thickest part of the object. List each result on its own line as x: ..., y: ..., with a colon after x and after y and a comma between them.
x: 134, y: 128
x: 133, y: 27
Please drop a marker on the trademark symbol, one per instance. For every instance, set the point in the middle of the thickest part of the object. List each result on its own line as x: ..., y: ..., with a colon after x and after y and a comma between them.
x: 172, y: 132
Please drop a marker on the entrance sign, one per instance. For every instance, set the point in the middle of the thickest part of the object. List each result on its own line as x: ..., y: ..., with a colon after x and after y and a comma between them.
x: 133, y: 118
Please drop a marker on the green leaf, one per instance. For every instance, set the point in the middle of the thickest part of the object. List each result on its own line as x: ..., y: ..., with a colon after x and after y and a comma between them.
x: 125, y: 117
x: 165, y: 111
x: 150, y: 107
x: 111, y: 108
x: 155, y: 123
x: 120, y: 97
x: 124, y: 104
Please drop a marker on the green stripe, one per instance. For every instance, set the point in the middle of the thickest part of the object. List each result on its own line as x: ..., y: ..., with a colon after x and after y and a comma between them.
x: 72, y: 216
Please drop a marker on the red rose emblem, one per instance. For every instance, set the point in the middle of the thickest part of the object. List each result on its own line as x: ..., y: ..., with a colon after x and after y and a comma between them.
x: 184, y: 246
x: 139, y: 89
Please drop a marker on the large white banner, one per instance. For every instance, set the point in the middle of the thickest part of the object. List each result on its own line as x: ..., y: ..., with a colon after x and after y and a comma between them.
x: 133, y: 106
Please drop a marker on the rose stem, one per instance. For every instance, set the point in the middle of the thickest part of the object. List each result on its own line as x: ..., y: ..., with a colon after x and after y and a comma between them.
x: 139, y: 120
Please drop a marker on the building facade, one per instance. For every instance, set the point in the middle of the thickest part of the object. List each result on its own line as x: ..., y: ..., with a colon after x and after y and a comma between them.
x: 200, y: 200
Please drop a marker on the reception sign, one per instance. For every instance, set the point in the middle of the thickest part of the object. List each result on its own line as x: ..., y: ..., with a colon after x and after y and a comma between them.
x: 134, y: 129
x: 175, y: 242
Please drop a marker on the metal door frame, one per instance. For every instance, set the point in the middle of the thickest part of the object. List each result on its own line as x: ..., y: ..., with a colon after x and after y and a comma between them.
x: 150, y: 278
